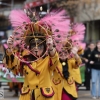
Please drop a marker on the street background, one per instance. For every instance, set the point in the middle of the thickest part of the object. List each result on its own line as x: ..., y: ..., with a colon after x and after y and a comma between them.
x: 83, y: 94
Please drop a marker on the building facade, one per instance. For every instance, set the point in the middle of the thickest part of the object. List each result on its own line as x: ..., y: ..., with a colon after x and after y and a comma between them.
x: 89, y: 13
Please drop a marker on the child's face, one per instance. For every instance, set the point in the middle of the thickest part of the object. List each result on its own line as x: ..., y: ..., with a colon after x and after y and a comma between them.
x: 98, y: 45
x: 37, y: 47
x: 63, y: 55
x: 92, y: 46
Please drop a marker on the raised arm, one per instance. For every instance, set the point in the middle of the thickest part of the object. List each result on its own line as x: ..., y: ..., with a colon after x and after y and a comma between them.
x: 10, y: 61
x: 77, y: 58
x: 54, y: 58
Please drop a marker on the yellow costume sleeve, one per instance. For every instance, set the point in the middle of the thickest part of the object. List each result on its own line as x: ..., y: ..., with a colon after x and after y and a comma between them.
x: 76, y: 62
x: 54, y: 61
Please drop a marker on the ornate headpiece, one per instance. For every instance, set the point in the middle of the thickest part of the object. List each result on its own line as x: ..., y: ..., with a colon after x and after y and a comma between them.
x: 74, y: 37
x: 28, y: 27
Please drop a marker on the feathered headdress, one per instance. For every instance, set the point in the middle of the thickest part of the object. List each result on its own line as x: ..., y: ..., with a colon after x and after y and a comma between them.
x: 55, y: 23
x: 74, y: 37
x: 18, y: 18
x: 77, y: 34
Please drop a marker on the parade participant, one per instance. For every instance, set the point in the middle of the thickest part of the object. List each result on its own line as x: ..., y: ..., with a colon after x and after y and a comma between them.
x: 69, y: 88
x: 10, y: 62
x: 77, y: 36
x: 43, y: 57
x: 68, y: 68
x: 86, y: 57
x: 63, y: 79
x: 12, y: 85
x: 40, y: 84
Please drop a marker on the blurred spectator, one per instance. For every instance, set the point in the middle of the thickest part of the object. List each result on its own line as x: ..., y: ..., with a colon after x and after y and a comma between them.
x: 95, y: 71
x: 86, y: 58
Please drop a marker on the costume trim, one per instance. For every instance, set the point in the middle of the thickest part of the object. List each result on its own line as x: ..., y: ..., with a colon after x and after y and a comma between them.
x: 47, y: 95
x: 56, y: 83
x: 24, y: 92
x: 30, y: 67
x: 59, y: 71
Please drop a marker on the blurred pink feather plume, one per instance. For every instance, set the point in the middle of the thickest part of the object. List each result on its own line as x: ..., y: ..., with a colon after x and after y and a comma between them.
x: 77, y: 38
x: 18, y: 17
x: 83, y: 45
x: 59, y: 23
x: 79, y: 30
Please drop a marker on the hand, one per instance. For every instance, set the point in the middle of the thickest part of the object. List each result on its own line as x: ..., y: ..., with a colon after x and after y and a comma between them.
x: 86, y: 60
x: 10, y: 42
x: 74, y: 50
x: 91, y: 62
x: 49, y: 42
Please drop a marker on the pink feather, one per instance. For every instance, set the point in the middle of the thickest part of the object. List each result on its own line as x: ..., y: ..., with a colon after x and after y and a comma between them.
x: 77, y: 38
x: 57, y: 20
x: 18, y: 17
x: 79, y: 28
x: 60, y: 25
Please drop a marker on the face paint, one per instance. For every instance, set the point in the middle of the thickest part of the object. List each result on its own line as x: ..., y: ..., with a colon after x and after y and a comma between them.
x: 63, y: 55
x: 34, y: 45
x: 37, y: 47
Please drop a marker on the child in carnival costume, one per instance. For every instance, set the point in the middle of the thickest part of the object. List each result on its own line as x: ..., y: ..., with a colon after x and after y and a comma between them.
x: 10, y: 62
x: 42, y: 56
x: 63, y: 79
x: 77, y: 36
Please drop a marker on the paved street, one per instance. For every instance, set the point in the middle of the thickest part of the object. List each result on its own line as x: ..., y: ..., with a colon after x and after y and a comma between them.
x: 8, y: 96
x: 83, y: 95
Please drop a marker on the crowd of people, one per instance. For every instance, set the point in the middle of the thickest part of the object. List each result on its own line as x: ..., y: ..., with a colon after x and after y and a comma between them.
x: 91, y: 58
